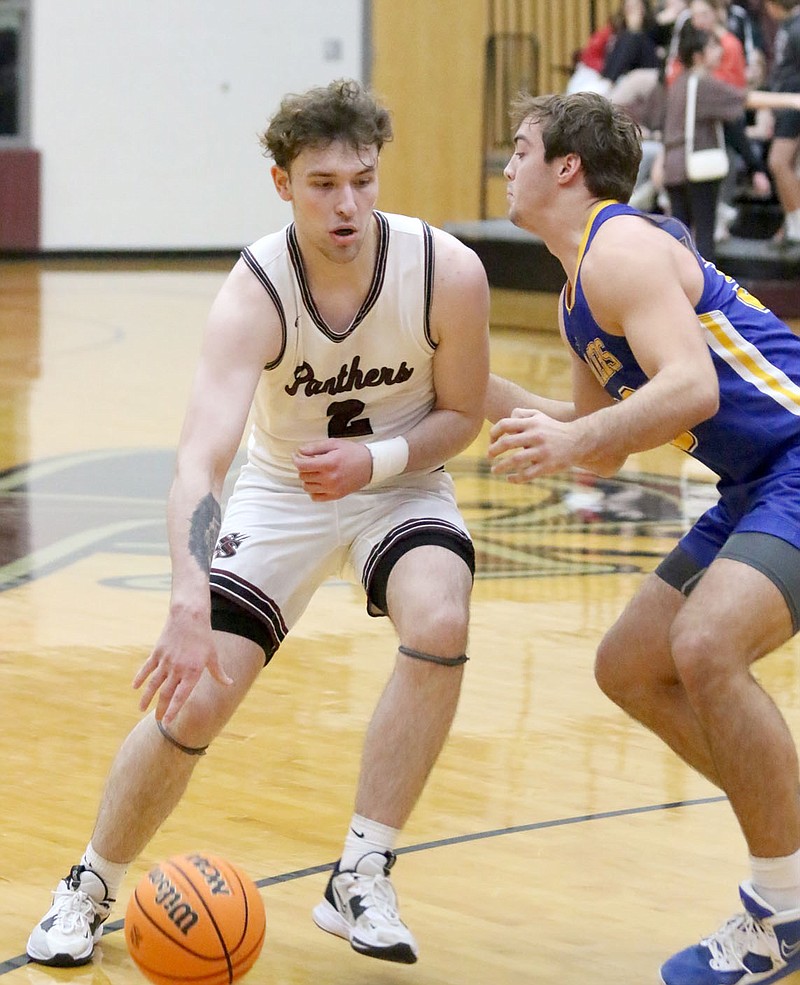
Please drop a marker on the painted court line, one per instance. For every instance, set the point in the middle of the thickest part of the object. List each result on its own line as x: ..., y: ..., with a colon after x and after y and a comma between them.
x: 12, y: 963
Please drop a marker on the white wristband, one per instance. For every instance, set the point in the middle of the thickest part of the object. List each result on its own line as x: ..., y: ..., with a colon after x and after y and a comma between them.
x: 389, y: 458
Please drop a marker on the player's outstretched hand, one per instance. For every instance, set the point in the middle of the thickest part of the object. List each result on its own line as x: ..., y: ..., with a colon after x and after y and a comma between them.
x: 530, y: 444
x: 175, y: 666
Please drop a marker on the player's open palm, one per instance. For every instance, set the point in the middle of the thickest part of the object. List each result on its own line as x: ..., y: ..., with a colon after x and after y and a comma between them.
x: 183, y: 651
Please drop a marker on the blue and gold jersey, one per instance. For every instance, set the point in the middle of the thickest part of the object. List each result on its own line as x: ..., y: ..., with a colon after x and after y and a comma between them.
x: 757, y: 358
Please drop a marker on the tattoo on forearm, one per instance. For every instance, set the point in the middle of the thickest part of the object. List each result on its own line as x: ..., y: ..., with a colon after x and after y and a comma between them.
x: 204, y: 530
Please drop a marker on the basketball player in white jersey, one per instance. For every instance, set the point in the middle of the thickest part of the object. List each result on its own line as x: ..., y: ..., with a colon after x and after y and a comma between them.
x: 361, y: 340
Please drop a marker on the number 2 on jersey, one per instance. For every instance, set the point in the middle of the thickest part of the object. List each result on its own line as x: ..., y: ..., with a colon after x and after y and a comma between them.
x: 344, y: 420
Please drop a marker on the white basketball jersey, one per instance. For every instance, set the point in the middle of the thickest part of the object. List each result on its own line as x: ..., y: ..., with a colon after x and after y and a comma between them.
x: 375, y: 379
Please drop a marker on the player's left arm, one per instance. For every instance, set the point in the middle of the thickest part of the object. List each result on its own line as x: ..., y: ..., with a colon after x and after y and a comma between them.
x: 639, y: 284
x: 460, y: 330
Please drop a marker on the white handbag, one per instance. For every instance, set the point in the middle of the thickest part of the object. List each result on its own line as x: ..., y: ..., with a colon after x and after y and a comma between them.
x: 702, y: 165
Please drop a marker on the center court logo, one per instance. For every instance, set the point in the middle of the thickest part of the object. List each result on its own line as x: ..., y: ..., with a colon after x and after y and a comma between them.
x: 58, y: 511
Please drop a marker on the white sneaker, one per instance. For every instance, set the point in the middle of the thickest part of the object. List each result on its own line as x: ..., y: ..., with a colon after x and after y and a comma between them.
x: 69, y: 930
x: 360, y: 905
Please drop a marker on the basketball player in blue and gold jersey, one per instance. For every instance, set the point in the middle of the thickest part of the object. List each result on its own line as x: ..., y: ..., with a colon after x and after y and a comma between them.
x: 666, y: 348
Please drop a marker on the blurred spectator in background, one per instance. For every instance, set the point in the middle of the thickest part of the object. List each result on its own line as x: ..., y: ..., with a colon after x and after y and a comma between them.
x: 785, y: 77
x: 668, y: 15
x: 746, y: 27
x: 748, y: 153
x: 624, y: 44
x: 641, y: 92
x: 632, y: 45
x: 713, y: 16
x: 695, y: 202
x: 707, y: 15
x: 587, y: 74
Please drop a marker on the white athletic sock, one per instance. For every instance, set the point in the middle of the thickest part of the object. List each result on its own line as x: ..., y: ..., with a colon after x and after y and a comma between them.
x: 112, y: 873
x: 777, y: 880
x: 367, y: 836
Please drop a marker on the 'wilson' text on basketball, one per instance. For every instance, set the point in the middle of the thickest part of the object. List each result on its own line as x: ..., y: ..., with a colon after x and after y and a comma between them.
x: 178, y: 910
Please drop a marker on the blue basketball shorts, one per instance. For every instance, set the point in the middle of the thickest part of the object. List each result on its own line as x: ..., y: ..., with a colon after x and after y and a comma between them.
x: 757, y: 523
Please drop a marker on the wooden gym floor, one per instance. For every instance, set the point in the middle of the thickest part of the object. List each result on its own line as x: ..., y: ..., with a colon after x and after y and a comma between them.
x: 556, y: 842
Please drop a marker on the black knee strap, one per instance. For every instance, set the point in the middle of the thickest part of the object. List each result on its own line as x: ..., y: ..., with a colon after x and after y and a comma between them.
x: 189, y: 750
x: 444, y: 661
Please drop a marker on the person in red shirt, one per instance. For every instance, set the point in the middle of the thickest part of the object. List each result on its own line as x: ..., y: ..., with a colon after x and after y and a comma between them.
x: 710, y: 17
x: 623, y: 44
x: 707, y: 15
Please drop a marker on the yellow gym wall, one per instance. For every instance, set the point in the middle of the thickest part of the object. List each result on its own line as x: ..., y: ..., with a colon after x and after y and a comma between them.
x: 428, y: 65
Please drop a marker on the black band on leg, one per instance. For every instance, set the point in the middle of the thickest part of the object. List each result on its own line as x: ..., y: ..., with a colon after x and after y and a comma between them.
x: 189, y: 750
x: 444, y: 661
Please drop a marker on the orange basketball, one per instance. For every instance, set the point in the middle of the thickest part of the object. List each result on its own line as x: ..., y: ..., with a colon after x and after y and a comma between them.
x: 195, y: 918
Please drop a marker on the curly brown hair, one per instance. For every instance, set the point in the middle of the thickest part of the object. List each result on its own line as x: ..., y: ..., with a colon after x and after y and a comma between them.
x: 605, y: 137
x: 342, y: 110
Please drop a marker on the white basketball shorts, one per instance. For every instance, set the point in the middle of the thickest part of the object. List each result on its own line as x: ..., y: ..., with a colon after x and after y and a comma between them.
x: 276, y: 546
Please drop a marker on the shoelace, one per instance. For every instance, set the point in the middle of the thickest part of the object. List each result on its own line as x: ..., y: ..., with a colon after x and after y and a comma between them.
x: 738, y: 937
x: 378, y: 893
x: 75, y: 908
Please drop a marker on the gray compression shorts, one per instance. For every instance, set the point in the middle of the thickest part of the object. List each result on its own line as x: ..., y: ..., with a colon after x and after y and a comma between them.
x: 777, y: 559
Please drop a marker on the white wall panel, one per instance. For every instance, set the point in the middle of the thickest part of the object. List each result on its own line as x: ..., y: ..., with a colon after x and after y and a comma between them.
x: 146, y: 113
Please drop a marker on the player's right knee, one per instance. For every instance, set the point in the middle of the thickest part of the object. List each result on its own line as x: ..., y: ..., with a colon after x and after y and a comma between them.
x: 611, y: 671
x: 438, y: 627
x: 606, y: 671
